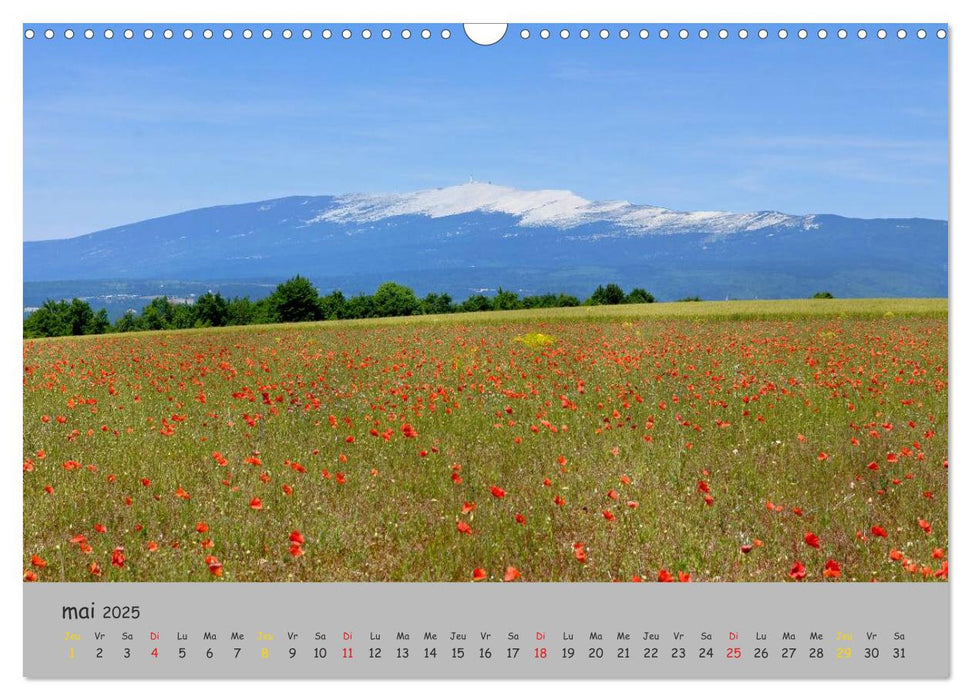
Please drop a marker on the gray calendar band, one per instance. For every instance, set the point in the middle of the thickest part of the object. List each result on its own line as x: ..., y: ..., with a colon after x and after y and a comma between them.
x: 839, y: 630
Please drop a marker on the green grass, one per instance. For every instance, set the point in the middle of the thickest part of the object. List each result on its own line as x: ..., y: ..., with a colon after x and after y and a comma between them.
x: 744, y: 396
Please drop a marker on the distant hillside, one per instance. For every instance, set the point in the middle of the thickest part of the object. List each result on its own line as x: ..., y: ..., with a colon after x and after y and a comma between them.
x: 475, y: 237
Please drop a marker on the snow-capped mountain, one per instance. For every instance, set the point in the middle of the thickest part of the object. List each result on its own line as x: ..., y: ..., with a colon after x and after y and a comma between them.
x: 474, y: 237
x: 556, y: 208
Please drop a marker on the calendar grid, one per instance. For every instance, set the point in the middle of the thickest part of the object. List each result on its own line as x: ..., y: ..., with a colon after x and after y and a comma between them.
x: 486, y: 631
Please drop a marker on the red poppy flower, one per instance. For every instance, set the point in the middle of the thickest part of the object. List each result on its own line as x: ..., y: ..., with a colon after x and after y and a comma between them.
x: 579, y: 551
x: 512, y: 573
x: 812, y: 540
x: 832, y: 570
x: 798, y: 571
x: 479, y: 574
x: 256, y: 504
x: 497, y: 492
x: 215, y: 568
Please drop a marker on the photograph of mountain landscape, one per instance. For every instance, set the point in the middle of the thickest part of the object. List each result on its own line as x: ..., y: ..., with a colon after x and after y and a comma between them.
x: 476, y: 237
x: 613, y: 306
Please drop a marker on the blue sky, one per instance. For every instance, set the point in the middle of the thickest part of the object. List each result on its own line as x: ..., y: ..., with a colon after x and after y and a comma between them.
x: 117, y: 131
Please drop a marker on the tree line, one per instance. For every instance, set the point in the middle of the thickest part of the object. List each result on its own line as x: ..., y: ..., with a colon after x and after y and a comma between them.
x: 297, y: 300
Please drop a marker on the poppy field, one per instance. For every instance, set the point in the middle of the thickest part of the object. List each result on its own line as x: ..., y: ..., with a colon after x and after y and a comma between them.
x: 751, y: 441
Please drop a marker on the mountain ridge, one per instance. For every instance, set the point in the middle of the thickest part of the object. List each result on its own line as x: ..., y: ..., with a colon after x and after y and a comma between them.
x: 491, y: 198
x: 469, y: 237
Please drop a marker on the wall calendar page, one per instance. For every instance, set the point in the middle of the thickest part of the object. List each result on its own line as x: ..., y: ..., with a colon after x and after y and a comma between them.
x: 509, y: 351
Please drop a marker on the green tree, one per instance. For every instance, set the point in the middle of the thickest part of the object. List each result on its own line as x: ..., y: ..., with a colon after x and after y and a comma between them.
x: 609, y: 295
x: 184, y: 316
x: 127, y: 323
x: 361, y: 306
x: 211, y: 310
x: 157, y: 315
x: 79, y: 316
x: 505, y: 300
x: 294, y: 301
x: 393, y: 299
x: 59, y: 318
x: 639, y: 296
x: 822, y: 295
x: 98, y: 324
x: 48, y: 321
x: 264, y: 311
x: 539, y: 301
x: 239, y: 311
x: 334, y: 305
x: 437, y: 304
x: 476, y: 302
